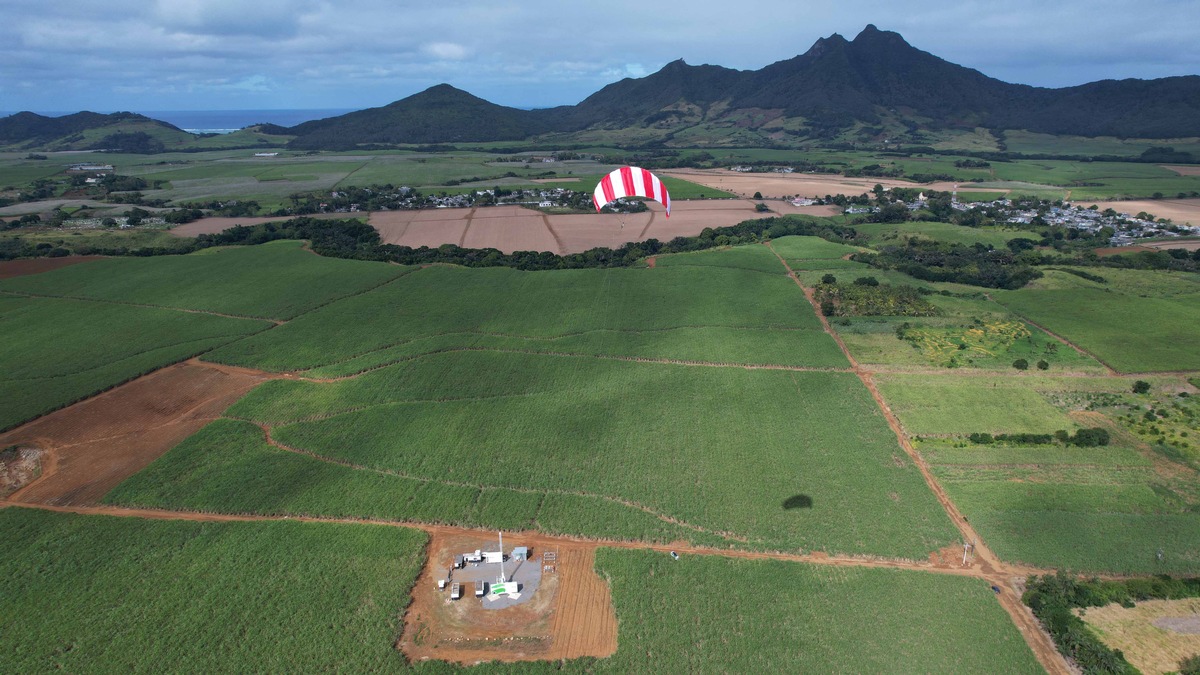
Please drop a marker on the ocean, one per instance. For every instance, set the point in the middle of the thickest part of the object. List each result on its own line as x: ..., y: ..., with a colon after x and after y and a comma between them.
x: 226, y: 121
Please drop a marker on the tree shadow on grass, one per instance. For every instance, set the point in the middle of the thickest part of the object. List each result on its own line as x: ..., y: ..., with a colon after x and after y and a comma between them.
x: 797, y: 502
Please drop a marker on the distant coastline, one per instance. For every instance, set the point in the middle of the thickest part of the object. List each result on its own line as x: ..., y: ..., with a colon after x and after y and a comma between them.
x: 221, y: 121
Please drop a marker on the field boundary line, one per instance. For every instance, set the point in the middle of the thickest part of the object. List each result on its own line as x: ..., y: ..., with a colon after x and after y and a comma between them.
x: 550, y: 338
x: 1112, y: 372
x: 642, y: 234
x: 73, y: 373
x: 604, y: 357
x: 562, y: 249
x: 142, y: 304
x: 467, y: 228
x: 474, y: 486
x: 817, y: 558
x: 403, y: 272
x: 991, y: 567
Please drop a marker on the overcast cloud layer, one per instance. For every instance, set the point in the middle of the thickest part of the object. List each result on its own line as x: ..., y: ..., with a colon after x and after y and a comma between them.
x: 150, y: 55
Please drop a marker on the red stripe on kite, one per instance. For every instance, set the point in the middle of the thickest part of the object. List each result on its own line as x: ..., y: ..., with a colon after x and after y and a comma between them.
x: 627, y: 181
x: 607, y: 186
x: 648, y: 181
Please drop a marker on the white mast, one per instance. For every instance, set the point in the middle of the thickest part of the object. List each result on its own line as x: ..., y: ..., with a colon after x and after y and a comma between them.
x: 502, y: 577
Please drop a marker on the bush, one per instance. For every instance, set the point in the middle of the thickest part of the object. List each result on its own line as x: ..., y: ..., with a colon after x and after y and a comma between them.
x: 1190, y: 665
x: 866, y: 281
x: 1141, y: 387
x: 829, y: 279
x: 1043, y: 365
x: 1021, y: 364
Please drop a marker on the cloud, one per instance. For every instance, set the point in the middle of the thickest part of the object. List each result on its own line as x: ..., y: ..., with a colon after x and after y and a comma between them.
x: 445, y: 51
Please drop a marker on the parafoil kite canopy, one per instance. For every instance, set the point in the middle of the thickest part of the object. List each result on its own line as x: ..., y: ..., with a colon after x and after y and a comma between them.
x: 630, y: 181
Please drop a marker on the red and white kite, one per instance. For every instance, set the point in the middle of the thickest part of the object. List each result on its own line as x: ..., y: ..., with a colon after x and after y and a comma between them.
x: 631, y: 181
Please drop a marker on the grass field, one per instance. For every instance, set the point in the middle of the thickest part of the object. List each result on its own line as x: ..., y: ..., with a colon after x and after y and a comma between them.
x: 750, y: 257
x: 951, y: 404
x: 810, y: 248
x: 58, y: 351
x: 810, y: 619
x: 100, y: 594
x: 969, y: 332
x: 1098, y: 318
x: 1103, y: 509
x: 256, y: 281
x: 719, y: 449
x: 696, y: 313
x: 882, y: 234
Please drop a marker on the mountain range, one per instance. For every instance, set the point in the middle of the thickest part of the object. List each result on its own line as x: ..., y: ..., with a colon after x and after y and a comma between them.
x: 873, y: 87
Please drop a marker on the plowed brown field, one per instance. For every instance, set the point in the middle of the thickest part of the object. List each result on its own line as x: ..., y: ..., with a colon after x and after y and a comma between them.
x: 514, y: 228
x: 20, y: 268
x: 92, y: 446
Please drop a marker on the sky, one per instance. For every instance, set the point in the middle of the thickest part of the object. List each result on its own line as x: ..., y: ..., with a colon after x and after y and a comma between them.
x: 147, y: 55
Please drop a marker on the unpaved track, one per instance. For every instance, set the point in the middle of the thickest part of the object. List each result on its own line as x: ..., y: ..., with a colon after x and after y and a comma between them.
x: 990, y: 566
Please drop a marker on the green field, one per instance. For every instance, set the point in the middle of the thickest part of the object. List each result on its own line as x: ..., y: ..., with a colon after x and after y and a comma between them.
x: 717, y: 449
x: 1101, y: 509
x: 806, y: 618
x: 1098, y: 317
x: 882, y: 234
x: 57, y: 351
x: 754, y: 257
x: 811, y: 248
x: 279, y: 280
x: 685, y: 312
x: 953, y: 404
x: 100, y: 594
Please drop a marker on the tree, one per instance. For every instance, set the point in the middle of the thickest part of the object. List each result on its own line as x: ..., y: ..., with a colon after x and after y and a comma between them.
x: 1021, y: 364
x: 829, y: 279
x: 758, y: 195
x: 866, y: 281
x: 828, y: 308
x: 1141, y: 387
x: 1043, y: 365
x: 761, y: 207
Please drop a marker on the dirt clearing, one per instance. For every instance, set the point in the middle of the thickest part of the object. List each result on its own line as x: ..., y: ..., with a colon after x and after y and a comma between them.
x: 1178, y: 210
x: 1184, y: 170
x: 19, y: 466
x: 90, y: 447
x: 569, y: 616
x: 20, y: 268
x: 1145, y: 632
x: 215, y: 225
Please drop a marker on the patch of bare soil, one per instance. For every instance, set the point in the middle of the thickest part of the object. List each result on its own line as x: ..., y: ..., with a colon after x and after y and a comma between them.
x: 569, y: 616
x: 20, y: 268
x: 215, y: 225
x: 1189, y: 170
x: 1178, y: 210
x: 93, y: 445
x: 19, y: 466
x: 1148, y: 632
